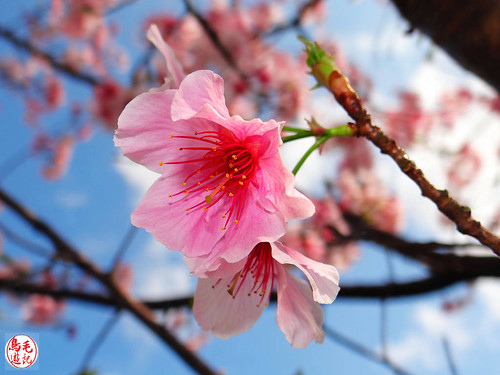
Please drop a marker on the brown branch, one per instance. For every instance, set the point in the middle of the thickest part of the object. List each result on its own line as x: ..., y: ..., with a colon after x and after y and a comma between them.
x: 122, y: 299
x: 423, y: 252
x: 345, y: 95
x: 433, y: 283
x: 35, y: 51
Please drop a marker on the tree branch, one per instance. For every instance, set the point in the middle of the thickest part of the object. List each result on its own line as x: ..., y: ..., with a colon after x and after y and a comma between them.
x: 345, y: 95
x: 122, y: 299
x: 423, y: 252
x: 35, y: 51
x: 212, y: 35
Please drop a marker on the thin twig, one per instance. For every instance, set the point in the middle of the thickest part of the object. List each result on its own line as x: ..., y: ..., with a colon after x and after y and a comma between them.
x: 98, y: 340
x: 449, y: 356
x: 125, y: 243
x: 363, y: 350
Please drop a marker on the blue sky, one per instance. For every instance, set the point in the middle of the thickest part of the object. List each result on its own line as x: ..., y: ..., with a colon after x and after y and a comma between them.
x: 91, y: 205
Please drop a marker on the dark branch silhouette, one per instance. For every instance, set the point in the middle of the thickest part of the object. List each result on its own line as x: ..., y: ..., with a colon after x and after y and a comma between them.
x: 121, y: 298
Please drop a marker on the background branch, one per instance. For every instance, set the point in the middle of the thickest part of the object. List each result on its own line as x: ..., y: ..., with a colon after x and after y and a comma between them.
x: 121, y: 298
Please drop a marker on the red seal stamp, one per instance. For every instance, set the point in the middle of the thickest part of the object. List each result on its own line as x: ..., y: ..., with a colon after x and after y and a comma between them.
x: 21, y: 351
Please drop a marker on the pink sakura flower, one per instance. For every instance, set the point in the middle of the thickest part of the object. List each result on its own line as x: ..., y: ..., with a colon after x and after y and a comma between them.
x: 232, y: 300
x: 224, y: 187
x: 465, y: 166
x: 109, y: 100
x: 60, y: 159
x: 41, y: 309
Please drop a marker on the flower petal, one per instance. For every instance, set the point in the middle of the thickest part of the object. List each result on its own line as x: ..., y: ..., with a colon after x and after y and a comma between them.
x: 169, y: 222
x: 174, y: 68
x: 145, y: 127
x: 217, y: 311
x: 298, y: 316
x: 277, y: 184
x: 210, y: 266
x: 324, y: 278
x: 200, y: 94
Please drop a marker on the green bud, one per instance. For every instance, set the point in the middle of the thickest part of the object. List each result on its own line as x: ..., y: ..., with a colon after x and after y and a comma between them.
x: 321, y: 64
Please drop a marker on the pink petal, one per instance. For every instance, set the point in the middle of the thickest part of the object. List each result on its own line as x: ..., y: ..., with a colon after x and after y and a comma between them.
x: 145, y: 126
x: 193, y: 233
x: 298, y: 316
x: 200, y: 94
x: 324, y: 278
x: 217, y: 311
x: 174, y: 68
x: 210, y: 266
x: 277, y: 184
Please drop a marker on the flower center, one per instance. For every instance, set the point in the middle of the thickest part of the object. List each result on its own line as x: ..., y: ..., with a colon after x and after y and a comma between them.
x: 260, y: 267
x: 226, y: 167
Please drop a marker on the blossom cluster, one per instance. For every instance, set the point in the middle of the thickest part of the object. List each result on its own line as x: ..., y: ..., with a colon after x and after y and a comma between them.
x: 224, y: 199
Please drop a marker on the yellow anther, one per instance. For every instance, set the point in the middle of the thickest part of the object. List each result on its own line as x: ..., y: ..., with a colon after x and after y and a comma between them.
x: 199, y: 183
x: 236, y: 221
x: 227, y: 175
x: 241, y: 183
x: 222, y: 228
x: 223, y: 216
x: 187, y: 209
x: 234, y: 157
x: 212, y: 176
x: 236, y: 169
x: 183, y: 184
x: 230, y: 165
x: 186, y: 191
x: 223, y: 187
x: 204, y: 209
x: 208, y: 199
x: 170, y: 195
x: 171, y: 136
x: 161, y: 163
x: 243, y: 177
x: 231, y: 194
x: 207, y: 189
x: 214, y: 148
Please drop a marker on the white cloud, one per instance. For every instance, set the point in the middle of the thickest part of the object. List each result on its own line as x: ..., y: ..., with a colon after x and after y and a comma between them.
x: 474, y: 326
x: 162, y: 281
x: 138, y: 176
x: 71, y: 199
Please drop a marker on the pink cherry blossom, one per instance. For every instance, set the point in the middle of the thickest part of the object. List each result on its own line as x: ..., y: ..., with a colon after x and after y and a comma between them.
x: 41, y: 309
x: 109, y: 100
x: 230, y: 303
x: 60, y: 159
x: 224, y: 187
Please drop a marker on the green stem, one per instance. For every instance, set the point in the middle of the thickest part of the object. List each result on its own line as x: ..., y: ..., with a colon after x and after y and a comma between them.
x: 316, y: 144
x: 294, y: 130
x: 297, y: 136
x: 339, y: 131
